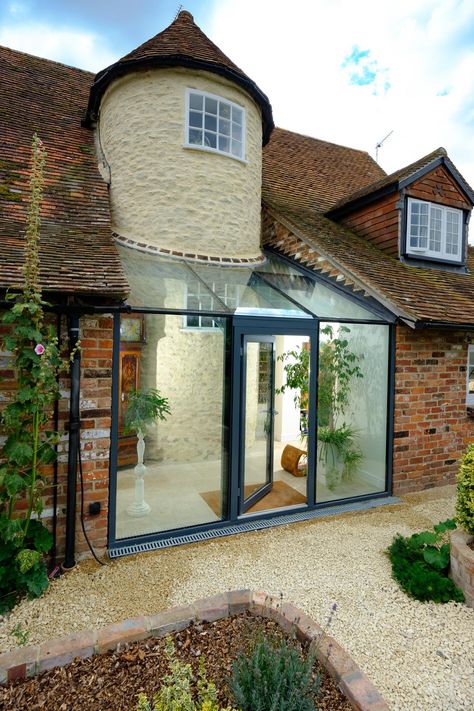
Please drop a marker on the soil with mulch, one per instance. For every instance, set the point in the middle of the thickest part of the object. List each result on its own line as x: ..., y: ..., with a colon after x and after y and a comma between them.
x: 114, y: 680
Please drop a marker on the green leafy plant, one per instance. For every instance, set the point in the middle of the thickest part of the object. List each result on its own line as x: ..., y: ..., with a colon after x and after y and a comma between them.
x: 465, y: 492
x: 420, y: 564
x: 143, y: 408
x: 338, y: 366
x: 29, y: 444
x: 176, y: 694
x: 339, y: 453
x: 21, y: 635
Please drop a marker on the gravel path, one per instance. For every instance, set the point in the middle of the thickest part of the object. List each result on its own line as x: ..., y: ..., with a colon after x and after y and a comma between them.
x: 419, y: 655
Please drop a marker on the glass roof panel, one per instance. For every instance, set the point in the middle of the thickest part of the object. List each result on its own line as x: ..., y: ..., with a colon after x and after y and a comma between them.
x: 310, y: 293
x: 243, y: 290
x: 158, y: 282
x: 276, y: 288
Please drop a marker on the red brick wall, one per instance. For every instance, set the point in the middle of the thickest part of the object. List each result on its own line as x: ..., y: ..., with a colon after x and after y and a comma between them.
x: 96, y: 384
x: 378, y: 223
x: 431, y: 428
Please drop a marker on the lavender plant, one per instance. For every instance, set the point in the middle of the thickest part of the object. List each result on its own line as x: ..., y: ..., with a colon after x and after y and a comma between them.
x: 29, y: 443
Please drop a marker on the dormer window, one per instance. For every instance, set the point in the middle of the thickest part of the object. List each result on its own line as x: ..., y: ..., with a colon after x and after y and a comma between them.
x: 434, y: 231
x: 215, y: 124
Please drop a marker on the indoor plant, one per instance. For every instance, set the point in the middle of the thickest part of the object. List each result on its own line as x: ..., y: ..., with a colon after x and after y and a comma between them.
x: 144, y: 407
x: 338, y: 452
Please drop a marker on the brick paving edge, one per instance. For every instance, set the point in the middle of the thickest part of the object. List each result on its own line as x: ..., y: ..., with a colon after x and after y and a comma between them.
x: 25, y: 662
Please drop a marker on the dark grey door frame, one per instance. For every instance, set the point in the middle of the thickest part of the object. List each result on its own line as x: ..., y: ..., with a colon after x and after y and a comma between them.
x: 251, y: 326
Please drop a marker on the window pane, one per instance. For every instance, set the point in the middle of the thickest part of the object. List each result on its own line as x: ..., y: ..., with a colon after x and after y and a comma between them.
x: 211, y: 106
x: 195, y: 136
x: 236, y: 132
x: 185, y: 466
x: 210, y: 123
x: 224, y: 144
x: 192, y: 321
x: 210, y: 140
x: 352, y: 410
x: 224, y: 127
x: 195, y: 119
x: 224, y: 110
x: 237, y: 115
x: 237, y: 149
x: 195, y: 101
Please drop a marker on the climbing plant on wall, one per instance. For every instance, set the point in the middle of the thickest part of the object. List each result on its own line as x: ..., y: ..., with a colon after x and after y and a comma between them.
x: 29, y: 443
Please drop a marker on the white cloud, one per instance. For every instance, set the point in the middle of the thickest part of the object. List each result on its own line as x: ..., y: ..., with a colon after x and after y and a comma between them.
x: 73, y: 47
x: 422, y: 48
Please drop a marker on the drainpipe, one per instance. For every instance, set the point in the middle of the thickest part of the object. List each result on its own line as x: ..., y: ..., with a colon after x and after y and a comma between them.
x: 74, y: 435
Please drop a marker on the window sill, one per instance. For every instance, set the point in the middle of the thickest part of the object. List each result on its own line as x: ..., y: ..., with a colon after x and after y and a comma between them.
x: 215, y: 151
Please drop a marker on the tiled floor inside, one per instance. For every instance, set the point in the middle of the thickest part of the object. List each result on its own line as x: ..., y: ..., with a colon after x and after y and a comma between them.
x: 173, y: 491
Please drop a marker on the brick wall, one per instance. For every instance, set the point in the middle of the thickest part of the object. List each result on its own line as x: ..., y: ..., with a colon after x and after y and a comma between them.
x: 96, y: 384
x: 432, y: 428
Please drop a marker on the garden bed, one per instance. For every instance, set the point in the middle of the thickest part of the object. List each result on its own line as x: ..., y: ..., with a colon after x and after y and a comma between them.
x: 113, y: 680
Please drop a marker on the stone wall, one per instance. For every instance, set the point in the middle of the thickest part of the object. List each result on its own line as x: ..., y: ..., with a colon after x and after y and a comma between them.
x: 432, y: 427
x: 212, y: 204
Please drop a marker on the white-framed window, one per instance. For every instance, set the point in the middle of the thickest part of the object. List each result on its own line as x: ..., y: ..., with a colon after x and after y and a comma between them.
x: 214, y: 124
x: 470, y: 377
x: 434, y: 231
x: 199, y: 298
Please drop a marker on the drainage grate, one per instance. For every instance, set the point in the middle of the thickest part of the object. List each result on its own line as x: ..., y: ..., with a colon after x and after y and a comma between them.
x: 131, y: 548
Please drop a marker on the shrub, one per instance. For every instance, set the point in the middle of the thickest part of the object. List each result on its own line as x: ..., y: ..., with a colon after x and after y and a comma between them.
x: 420, y: 564
x: 176, y: 694
x: 274, y: 677
x: 465, y: 492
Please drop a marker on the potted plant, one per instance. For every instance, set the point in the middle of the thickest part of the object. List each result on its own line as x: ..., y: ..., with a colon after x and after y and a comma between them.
x: 144, y: 407
x: 339, y: 455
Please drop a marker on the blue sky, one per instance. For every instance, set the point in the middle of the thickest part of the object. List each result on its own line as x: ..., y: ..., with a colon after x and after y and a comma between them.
x: 344, y: 71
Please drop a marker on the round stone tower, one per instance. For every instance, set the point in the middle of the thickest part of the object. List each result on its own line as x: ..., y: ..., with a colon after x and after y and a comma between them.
x: 179, y: 134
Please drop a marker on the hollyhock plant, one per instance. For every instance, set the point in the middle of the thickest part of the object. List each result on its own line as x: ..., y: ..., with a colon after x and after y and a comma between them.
x: 39, y: 349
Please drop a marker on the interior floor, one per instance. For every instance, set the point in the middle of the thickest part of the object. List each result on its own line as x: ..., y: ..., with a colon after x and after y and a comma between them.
x: 188, y: 494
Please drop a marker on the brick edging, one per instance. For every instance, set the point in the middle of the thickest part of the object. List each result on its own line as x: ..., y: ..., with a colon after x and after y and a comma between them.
x: 26, y: 662
x: 462, y: 564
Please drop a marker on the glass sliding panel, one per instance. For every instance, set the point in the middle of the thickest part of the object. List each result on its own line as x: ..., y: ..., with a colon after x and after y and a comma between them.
x: 184, y: 479
x: 352, y: 410
x: 274, y: 421
x: 311, y: 294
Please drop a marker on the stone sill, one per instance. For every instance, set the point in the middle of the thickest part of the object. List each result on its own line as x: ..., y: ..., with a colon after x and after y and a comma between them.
x: 25, y: 662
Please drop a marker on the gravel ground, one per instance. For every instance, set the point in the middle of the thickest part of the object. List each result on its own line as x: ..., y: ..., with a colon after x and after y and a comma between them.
x: 419, y: 655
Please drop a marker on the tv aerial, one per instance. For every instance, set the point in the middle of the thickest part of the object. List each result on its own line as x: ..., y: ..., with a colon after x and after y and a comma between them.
x: 379, y: 144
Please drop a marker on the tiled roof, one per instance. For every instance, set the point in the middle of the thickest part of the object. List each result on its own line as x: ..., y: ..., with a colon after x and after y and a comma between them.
x: 413, y: 293
x: 313, y: 174
x: 396, y: 178
x: 182, y: 43
x: 76, y: 247
x: 300, y: 177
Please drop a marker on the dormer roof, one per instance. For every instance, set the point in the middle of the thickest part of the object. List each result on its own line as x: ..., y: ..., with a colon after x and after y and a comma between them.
x: 400, y: 179
x: 181, y: 44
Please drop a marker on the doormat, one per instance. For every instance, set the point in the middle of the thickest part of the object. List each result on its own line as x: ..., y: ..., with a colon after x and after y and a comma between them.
x: 281, y: 495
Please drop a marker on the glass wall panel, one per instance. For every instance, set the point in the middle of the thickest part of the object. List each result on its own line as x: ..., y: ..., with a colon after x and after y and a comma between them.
x: 314, y: 296
x: 352, y: 410
x: 183, y: 479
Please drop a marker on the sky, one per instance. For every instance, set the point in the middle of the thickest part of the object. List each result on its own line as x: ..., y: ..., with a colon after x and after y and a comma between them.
x: 347, y: 71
